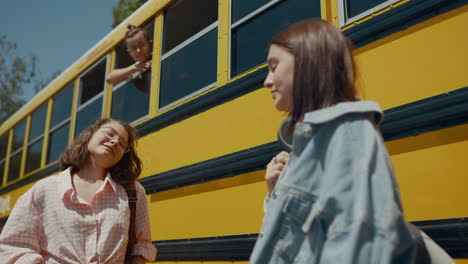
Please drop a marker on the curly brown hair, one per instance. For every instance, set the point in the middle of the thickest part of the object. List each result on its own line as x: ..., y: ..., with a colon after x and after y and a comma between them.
x: 124, y: 172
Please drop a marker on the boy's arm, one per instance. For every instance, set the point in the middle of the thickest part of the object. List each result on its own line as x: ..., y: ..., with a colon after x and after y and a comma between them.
x: 119, y: 75
x: 122, y: 74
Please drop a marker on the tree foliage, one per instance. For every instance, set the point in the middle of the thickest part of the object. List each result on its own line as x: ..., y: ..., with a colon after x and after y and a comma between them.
x: 15, y: 73
x: 124, y: 9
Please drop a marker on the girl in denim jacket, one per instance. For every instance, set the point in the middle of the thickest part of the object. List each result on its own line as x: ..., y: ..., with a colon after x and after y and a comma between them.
x: 334, y: 198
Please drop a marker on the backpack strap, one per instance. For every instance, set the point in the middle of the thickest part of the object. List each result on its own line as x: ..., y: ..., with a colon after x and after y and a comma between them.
x: 422, y: 254
x: 132, y: 199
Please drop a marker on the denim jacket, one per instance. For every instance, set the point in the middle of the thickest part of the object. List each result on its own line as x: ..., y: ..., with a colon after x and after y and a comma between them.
x: 337, y: 200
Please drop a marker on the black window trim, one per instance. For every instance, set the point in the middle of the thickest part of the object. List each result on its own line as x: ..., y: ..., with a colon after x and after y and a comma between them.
x: 189, y: 40
x: 35, y: 140
x: 344, y: 21
x: 240, y: 22
x: 185, y: 98
x: 177, y: 49
x: 80, y: 88
x: 15, y: 152
x: 253, y: 13
x: 143, y: 117
x: 41, y: 136
x: 59, y: 125
x: 6, y: 150
x: 243, y: 20
x: 96, y: 97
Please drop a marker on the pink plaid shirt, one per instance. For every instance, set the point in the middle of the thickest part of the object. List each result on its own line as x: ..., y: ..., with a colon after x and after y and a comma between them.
x: 51, y: 224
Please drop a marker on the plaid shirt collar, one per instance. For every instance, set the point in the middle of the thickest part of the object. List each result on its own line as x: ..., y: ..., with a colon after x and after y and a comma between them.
x: 66, y: 187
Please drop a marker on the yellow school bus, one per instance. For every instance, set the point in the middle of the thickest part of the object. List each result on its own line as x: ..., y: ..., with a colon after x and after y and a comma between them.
x: 208, y: 129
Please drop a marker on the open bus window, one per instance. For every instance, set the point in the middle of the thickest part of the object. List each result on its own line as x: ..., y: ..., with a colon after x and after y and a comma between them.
x: 16, y: 151
x: 3, y: 152
x: 92, y: 84
x: 130, y: 99
x: 60, y: 123
x: 189, y: 58
x: 35, y: 141
x: 254, y: 25
x: 352, y: 10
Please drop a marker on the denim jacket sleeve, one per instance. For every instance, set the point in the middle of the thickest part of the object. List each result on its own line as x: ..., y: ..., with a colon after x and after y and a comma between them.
x: 359, y: 196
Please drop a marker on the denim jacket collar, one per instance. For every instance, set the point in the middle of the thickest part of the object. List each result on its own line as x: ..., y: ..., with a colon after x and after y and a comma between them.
x: 330, y: 113
x: 324, y: 115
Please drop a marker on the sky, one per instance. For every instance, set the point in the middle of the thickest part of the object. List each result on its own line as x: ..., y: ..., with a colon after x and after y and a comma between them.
x: 57, y: 32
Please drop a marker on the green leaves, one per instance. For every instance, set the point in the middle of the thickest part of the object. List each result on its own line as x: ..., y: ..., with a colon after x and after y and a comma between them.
x: 15, y: 73
x: 124, y: 9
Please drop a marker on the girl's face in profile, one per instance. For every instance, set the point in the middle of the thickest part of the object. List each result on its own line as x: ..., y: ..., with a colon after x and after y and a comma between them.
x: 139, y: 47
x: 280, y: 77
x: 108, y: 144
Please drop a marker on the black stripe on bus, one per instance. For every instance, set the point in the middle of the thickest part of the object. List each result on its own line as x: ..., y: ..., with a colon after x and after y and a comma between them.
x: 252, y: 159
x: 433, y: 113
x: 32, y: 178
x: 228, y: 248
x: 430, y: 114
x: 450, y: 234
x: 398, y: 19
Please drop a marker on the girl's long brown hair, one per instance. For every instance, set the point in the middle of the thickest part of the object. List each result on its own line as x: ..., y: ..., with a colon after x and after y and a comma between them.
x: 124, y: 172
x: 324, y: 69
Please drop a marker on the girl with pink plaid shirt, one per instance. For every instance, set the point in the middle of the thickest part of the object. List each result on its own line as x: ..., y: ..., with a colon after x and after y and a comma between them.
x: 82, y: 214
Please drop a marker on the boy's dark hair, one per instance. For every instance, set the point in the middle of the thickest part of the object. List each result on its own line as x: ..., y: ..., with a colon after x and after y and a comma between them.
x: 132, y: 31
x: 324, y: 69
x: 124, y: 172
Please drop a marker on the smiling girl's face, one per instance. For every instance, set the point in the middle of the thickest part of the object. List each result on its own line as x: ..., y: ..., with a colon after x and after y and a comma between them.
x: 280, y: 77
x: 108, y: 144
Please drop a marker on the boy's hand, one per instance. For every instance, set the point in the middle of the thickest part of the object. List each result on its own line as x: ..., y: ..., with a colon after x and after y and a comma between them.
x: 142, y: 66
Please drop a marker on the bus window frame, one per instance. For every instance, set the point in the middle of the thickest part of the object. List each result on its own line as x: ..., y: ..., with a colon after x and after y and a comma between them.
x: 36, y: 139
x: 95, y: 97
x: 344, y: 21
x: 53, y: 130
x: 143, y: 117
x: 80, y: 88
x: 3, y: 174
x: 177, y: 48
x: 240, y: 22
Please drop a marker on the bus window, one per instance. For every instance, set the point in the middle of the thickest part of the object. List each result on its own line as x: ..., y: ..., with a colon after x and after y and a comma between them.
x: 91, y: 96
x: 252, y: 32
x: 60, y: 123
x: 352, y: 10
x: 189, y: 58
x: 241, y: 8
x: 3, y: 152
x: 35, y: 141
x: 130, y: 99
x: 16, y: 151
